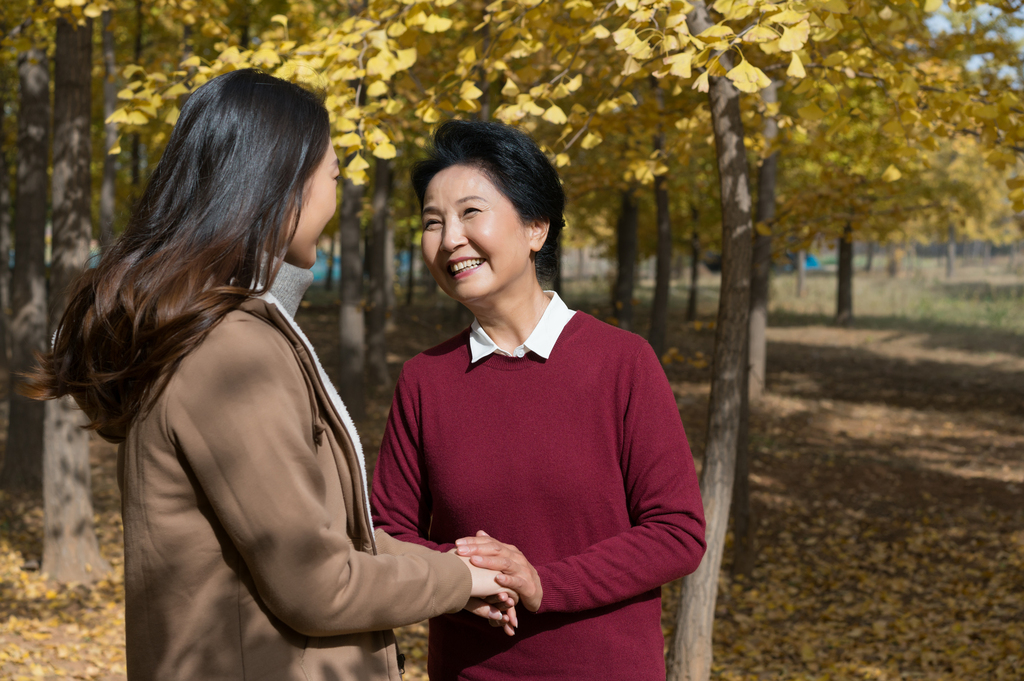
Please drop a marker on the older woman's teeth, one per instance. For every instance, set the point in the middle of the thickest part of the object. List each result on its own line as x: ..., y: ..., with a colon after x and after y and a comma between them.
x: 465, y: 265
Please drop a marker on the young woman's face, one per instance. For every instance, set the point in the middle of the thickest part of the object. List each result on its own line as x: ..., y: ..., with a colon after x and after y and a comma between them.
x: 320, y: 200
x: 474, y: 243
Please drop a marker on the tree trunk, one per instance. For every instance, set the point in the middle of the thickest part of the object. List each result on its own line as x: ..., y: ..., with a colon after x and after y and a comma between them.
x: 762, y: 258
x: 663, y: 271
x: 744, y: 528
x: 690, y: 654
x: 986, y: 255
x: 329, y: 280
x: 556, y: 280
x: 626, y: 239
x: 351, y: 319
x: 377, y: 301
x: 110, y: 130
x: 136, y: 152
x: 871, y: 256
x: 894, y: 254
x: 411, y: 274
x: 801, y: 273
x: 5, y: 252
x: 691, y: 304
x: 70, y: 550
x: 844, y: 295
x: 23, y: 461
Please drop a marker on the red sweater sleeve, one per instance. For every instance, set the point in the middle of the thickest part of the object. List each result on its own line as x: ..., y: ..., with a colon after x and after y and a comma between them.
x: 401, y: 495
x: 666, y: 540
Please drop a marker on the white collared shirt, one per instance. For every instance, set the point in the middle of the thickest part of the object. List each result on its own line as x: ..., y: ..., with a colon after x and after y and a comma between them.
x: 540, y: 342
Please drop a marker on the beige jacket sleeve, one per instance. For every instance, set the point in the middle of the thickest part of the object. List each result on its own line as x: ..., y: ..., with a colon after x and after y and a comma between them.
x: 238, y: 409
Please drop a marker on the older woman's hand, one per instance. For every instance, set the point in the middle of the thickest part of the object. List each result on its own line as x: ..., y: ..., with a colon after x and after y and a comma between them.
x: 516, y: 571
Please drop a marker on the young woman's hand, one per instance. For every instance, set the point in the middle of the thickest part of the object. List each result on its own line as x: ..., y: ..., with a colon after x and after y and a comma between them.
x: 501, y: 615
x: 516, y: 572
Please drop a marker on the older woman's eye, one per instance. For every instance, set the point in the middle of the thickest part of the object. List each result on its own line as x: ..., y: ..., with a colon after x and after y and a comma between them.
x: 431, y: 224
x: 468, y: 211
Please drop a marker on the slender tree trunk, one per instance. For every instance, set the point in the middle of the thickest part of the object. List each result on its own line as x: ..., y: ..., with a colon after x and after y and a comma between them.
x: 70, y: 550
x: 556, y: 280
x: 110, y: 130
x: 762, y: 258
x: 690, y: 654
x: 389, y: 268
x: 329, y: 281
x: 411, y: 274
x: 627, y: 248
x: 744, y: 527
x: 986, y: 255
x: 663, y: 271
x: 23, y: 460
x: 871, y: 256
x: 377, y: 301
x: 844, y: 297
x: 691, y: 304
x: 801, y: 273
x: 5, y: 251
x: 353, y: 353
x: 136, y: 150
x: 893, y: 262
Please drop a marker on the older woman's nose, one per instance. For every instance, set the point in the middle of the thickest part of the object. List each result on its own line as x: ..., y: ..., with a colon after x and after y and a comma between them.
x: 453, y: 236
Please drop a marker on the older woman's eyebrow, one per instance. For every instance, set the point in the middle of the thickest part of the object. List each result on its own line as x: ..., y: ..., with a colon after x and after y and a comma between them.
x: 470, y: 198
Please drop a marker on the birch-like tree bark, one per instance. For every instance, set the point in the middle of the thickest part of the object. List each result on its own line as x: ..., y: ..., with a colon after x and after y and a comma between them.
x: 690, y: 654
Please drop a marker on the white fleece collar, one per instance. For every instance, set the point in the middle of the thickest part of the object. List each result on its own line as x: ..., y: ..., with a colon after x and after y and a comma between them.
x: 335, y: 398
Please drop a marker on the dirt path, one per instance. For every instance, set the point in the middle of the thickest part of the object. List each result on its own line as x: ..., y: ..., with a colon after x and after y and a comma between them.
x: 888, y: 475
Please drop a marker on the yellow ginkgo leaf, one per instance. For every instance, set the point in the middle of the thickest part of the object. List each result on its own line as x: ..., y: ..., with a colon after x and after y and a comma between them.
x: 279, y: 19
x: 137, y: 118
x: 891, y: 174
x: 404, y: 59
x: 795, y: 37
x: 436, y: 24
x: 116, y: 149
x: 932, y: 5
x: 788, y: 17
x: 357, y: 163
x: 265, y: 57
x: 702, y: 84
x: 759, y: 34
x: 591, y: 140
x: 555, y: 115
x: 510, y: 89
x: 470, y: 91
x: 680, y: 64
x: 716, y: 31
x: 796, y: 67
x: 191, y: 62
x: 377, y: 88
x: 92, y: 11
x: 386, y: 150
x: 562, y: 160
x: 836, y: 7
x: 349, y: 139
x: 172, y: 116
x: 176, y: 90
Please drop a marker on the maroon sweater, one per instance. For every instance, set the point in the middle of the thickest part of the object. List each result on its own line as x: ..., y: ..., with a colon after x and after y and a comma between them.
x: 581, y: 462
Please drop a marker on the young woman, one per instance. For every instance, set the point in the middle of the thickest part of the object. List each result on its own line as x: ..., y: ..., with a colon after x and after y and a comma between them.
x: 249, y: 551
x: 546, y: 428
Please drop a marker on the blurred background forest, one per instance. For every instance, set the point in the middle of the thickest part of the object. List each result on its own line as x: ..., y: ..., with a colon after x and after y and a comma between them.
x: 812, y: 210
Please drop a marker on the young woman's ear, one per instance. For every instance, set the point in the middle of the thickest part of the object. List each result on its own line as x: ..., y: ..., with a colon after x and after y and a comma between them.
x: 538, y: 232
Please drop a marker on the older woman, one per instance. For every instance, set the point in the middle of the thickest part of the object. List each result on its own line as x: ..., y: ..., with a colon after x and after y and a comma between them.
x: 543, y: 427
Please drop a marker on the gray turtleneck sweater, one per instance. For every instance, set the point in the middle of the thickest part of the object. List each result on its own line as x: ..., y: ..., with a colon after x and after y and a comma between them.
x: 290, y: 285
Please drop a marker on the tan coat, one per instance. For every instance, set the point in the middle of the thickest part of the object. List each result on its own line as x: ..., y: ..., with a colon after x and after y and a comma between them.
x: 248, y: 553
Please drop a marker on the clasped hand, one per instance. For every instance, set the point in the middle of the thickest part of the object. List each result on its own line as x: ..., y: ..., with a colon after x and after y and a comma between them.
x: 495, y: 596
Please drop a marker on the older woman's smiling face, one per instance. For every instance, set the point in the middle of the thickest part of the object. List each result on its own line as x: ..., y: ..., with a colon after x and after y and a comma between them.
x: 474, y: 244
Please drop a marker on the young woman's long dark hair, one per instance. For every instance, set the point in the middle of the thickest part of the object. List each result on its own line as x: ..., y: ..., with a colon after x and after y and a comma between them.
x: 210, y: 230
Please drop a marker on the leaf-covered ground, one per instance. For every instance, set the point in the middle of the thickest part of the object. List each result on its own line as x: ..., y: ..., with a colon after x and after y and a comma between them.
x: 888, y: 475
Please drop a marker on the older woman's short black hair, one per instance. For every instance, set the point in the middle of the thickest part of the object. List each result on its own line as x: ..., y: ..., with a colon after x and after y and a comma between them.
x: 516, y: 166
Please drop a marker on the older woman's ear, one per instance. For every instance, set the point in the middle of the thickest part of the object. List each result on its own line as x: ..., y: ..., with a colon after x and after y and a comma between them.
x: 538, y: 231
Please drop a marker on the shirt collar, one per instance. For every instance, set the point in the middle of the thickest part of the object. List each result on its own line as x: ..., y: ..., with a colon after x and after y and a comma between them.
x: 541, y: 341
